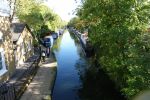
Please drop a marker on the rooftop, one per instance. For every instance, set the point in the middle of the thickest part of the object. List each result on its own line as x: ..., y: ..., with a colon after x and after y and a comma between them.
x: 17, y: 29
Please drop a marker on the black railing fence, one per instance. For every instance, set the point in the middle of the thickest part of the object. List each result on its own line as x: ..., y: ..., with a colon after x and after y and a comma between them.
x: 7, y: 91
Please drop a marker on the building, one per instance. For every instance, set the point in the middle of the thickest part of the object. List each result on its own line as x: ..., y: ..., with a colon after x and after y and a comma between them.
x: 7, y: 64
x: 23, y: 42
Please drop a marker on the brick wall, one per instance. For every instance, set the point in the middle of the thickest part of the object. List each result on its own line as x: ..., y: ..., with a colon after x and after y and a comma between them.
x: 7, y: 45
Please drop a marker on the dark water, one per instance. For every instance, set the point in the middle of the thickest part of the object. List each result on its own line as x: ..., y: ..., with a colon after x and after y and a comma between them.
x: 75, y: 81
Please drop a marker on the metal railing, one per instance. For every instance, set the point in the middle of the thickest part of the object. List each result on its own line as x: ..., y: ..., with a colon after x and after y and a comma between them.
x: 7, y: 91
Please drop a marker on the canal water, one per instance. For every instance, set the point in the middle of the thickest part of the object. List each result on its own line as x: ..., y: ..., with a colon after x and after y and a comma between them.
x: 71, y: 83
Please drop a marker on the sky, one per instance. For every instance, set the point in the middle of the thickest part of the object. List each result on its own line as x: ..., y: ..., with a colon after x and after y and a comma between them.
x: 64, y: 8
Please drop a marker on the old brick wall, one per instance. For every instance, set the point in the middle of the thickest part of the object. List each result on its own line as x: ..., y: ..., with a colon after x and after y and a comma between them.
x: 25, y: 39
x: 7, y: 45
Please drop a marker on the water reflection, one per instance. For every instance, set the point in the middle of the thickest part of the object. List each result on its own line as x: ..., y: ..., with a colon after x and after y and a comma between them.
x: 96, y: 85
x: 57, y: 44
x: 76, y: 79
x: 67, y: 81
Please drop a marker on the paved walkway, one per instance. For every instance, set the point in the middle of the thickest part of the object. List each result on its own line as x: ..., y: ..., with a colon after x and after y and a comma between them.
x: 41, y: 86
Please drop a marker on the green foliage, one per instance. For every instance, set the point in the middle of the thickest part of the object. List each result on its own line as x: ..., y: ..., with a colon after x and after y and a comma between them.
x: 77, y: 23
x: 44, y: 31
x: 118, y: 31
x: 35, y: 43
x: 37, y: 15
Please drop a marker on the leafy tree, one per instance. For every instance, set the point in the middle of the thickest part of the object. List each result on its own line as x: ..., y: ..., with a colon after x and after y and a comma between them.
x: 37, y: 15
x: 44, y: 30
x: 118, y: 31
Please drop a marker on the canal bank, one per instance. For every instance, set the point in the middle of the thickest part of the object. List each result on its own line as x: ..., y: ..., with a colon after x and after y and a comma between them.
x: 42, y: 85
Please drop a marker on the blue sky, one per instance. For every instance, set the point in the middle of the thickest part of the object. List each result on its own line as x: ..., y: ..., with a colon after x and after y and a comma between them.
x: 64, y: 8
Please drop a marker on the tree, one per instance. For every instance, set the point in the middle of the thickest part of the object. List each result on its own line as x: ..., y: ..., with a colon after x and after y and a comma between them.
x: 118, y: 31
x: 12, y: 8
x: 37, y: 15
x: 77, y: 23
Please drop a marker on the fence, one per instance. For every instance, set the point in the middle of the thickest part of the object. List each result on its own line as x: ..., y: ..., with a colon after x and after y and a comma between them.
x: 7, y: 92
x: 14, y: 91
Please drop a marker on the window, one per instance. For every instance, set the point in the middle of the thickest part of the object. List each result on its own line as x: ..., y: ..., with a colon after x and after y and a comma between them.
x: 29, y: 45
x: 1, y: 66
x: 23, y: 49
x: 1, y: 36
x: 2, y: 62
x: 4, y: 8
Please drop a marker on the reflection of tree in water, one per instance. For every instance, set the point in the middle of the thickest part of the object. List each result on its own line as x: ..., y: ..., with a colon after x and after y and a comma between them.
x: 96, y: 85
x: 77, y: 44
x: 57, y: 43
x: 80, y: 50
x: 81, y: 66
x: 72, y: 35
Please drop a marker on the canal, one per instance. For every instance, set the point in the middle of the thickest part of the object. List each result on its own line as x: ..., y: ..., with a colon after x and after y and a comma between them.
x: 75, y: 80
